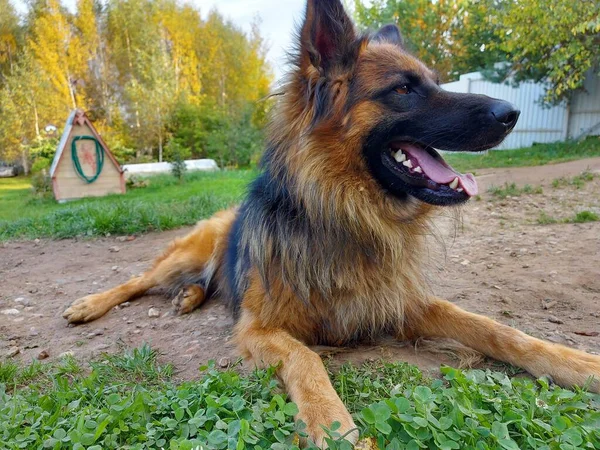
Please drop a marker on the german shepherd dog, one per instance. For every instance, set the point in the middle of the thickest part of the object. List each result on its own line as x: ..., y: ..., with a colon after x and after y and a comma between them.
x: 327, y: 246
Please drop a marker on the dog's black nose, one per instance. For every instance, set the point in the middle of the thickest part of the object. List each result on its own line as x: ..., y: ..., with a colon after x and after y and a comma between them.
x: 505, y: 113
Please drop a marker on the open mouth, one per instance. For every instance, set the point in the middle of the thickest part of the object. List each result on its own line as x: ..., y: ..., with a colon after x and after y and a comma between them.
x: 426, y: 175
x: 423, y: 166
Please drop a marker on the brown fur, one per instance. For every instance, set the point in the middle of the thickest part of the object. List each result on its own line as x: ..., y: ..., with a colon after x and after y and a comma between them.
x: 355, y: 271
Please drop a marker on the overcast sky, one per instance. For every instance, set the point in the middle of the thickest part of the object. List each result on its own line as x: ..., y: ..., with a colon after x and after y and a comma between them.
x: 278, y: 18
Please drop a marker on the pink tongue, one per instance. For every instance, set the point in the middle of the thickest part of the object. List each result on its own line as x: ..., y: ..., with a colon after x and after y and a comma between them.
x: 438, y: 171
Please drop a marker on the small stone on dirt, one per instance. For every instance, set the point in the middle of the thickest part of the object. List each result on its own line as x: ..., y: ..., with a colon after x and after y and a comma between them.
x: 587, y: 333
x: 547, y: 303
x: 65, y: 354
x: 115, y: 268
x: 224, y: 362
x: 114, y: 249
x: 125, y: 305
x: 43, y: 355
x: 10, y: 312
x: 465, y: 262
x: 555, y: 319
x: 153, y: 312
x: 13, y: 351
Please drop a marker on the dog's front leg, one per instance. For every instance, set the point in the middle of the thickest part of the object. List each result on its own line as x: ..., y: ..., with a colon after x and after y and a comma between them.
x: 303, y: 374
x: 567, y: 367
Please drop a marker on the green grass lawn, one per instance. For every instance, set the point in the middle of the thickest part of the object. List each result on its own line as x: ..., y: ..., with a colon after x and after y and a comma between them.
x: 164, y: 205
x: 167, y: 204
x: 130, y: 401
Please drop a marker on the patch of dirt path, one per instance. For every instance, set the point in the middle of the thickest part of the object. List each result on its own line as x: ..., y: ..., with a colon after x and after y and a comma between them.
x: 496, y: 260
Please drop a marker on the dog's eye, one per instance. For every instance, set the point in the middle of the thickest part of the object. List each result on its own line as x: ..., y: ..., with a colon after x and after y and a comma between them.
x: 403, y: 90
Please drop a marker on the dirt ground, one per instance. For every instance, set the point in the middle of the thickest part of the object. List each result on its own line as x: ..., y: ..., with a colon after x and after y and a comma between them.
x: 495, y: 260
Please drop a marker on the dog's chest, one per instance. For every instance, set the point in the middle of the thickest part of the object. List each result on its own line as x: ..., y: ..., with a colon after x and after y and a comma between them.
x: 366, y: 312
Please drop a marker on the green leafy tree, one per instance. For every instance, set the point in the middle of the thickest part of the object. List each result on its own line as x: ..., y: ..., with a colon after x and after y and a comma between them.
x: 448, y: 35
x: 556, y: 42
x: 154, y: 95
x: 25, y: 109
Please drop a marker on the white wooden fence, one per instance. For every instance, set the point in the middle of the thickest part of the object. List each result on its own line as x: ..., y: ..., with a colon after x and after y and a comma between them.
x: 577, y: 118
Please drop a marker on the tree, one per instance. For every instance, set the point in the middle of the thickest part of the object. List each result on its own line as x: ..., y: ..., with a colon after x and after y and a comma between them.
x: 24, y: 108
x: 154, y: 93
x: 555, y: 42
x: 131, y: 64
x: 447, y: 35
x: 179, y: 25
x: 551, y: 41
x: 54, y: 48
x: 10, y: 38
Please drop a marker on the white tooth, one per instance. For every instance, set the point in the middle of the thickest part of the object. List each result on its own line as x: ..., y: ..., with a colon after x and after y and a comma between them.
x: 418, y: 169
x: 400, y: 157
x: 459, y: 190
x: 407, y: 163
x: 454, y: 183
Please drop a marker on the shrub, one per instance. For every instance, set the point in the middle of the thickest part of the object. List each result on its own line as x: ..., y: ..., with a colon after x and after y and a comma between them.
x: 41, y: 184
x: 137, y: 182
x: 232, y: 138
x: 176, y: 155
x: 41, y: 165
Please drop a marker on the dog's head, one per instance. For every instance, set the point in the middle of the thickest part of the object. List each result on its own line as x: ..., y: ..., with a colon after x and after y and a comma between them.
x: 367, y: 116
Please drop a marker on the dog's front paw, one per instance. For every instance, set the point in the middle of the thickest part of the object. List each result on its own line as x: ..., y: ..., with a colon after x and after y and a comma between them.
x: 588, y: 368
x: 86, y: 309
x: 569, y: 367
x: 318, y: 416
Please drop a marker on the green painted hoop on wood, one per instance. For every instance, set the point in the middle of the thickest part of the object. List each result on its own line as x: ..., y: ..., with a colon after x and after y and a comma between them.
x: 77, y: 163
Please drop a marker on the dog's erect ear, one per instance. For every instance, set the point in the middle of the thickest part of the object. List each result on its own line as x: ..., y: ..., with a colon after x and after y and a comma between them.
x: 389, y: 33
x: 326, y: 35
